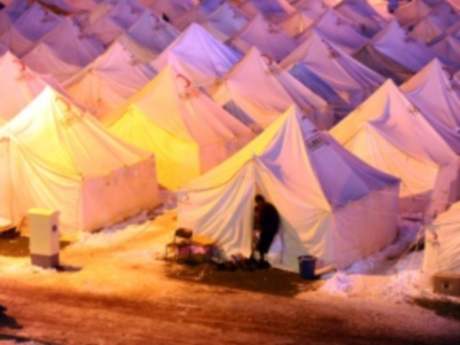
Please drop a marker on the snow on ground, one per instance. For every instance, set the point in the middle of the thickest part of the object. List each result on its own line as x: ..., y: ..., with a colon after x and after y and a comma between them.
x: 393, y: 274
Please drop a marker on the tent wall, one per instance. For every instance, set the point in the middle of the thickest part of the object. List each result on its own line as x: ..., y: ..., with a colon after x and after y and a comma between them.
x: 121, y: 194
x: 5, y: 180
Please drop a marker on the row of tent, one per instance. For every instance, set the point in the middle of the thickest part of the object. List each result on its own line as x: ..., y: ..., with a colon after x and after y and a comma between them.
x: 103, y: 101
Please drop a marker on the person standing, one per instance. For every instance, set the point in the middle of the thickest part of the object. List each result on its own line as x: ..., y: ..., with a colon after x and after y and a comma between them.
x: 266, y: 222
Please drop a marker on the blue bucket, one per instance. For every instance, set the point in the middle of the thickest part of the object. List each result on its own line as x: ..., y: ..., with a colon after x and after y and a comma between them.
x: 307, y: 265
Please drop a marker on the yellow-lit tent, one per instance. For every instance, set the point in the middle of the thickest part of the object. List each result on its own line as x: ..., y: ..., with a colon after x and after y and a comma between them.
x: 55, y: 156
x: 186, y: 130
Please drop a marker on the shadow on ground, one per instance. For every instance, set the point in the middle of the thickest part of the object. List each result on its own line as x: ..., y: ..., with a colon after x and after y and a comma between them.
x: 7, y: 321
x: 442, y: 308
x: 14, y: 245
x: 270, y: 281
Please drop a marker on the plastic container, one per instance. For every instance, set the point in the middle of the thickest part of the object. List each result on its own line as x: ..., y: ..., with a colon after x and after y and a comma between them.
x: 307, y: 265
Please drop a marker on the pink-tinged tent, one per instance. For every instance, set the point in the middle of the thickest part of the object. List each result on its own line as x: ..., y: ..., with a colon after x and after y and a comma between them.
x: 55, y: 156
x: 109, y: 20
x: 219, y: 24
x: 199, y: 56
x: 297, y: 23
x: 313, y: 9
x: 72, y: 6
x: 360, y: 12
x: 331, y: 73
x: 412, y: 12
x: 338, y: 30
x: 28, y: 29
x: 183, y: 127
x: 428, y: 29
x: 263, y: 91
x: 389, y: 133
x: 447, y: 50
x: 269, y: 38
x: 393, y: 54
x: 63, y: 52
x: 19, y: 86
x: 107, y: 83
x: 152, y: 34
x: 431, y: 92
x: 442, y: 243
x: 339, y: 218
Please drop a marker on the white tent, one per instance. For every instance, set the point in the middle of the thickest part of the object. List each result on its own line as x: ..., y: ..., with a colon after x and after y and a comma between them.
x: 55, y: 156
x: 187, y: 131
x: 339, y: 218
x: 389, y: 133
x: 63, y: 52
x: 431, y: 92
x: 19, y: 86
x: 198, y: 55
x: 338, y: 30
x: 264, y: 91
x: 360, y: 12
x: 109, y: 81
x: 331, y: 73
x: 442, y: 243
x: 393, y: 54
x: 267, y: 37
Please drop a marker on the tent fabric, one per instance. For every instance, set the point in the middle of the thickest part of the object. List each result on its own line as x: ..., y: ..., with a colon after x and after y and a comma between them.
x: 268, y: 8
x: 320, y: 216
x: 44, y: 61
x: 447, y: 49
x: 108, y: 82
x: 186, y: 130
x: 267, y: 37
x: 36, y: 22
x: 431, y: 92
x: 172, y: 8
x: 198, y: 56
x: 393, y: 42
x: 62, y: 53
x: 346, y: 77
x: 428, y: 29
x: 296, y: 23
x: 412, y: 12
x: 112, y: 19
x: 390, y: 134
x: 264, y: 92
x: 27, y: 30
x: 370, y: 21
x: 218, y: 21
x: 337, y: 30
x: 73, y: 6
x: 383, y: 64
x: 58, y: 157
x: 152, y: 32
x: 19, y: 86
x: 442, y: 243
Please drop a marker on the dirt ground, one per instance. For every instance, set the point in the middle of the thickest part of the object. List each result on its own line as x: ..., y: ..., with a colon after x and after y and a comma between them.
x: 114, y: 291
